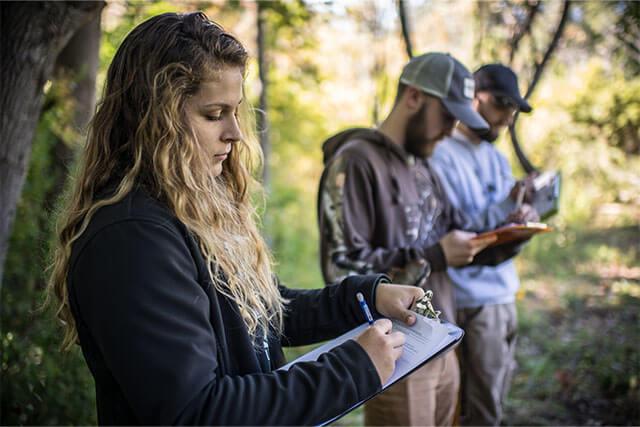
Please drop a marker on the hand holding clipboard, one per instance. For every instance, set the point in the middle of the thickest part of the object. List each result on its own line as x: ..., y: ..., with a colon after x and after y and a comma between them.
x: 514, y: 232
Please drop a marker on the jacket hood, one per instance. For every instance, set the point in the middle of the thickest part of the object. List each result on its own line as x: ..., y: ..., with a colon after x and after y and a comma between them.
x: 332, y: 145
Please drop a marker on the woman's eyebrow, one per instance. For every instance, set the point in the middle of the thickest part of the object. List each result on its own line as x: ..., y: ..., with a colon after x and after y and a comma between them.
x: 222, y: 104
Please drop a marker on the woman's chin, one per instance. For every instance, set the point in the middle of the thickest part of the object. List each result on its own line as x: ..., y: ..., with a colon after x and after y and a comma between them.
x: 217, y: 168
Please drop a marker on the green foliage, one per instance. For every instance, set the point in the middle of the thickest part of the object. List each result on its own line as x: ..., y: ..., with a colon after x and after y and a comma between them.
x: 297, y: 131
x: 580, y: 291
x: 608, y: 106
x: 40, y: 385
x: 579, y: 329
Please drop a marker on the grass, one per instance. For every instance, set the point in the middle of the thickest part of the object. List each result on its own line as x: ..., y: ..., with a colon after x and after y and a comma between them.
x: 579, y: 322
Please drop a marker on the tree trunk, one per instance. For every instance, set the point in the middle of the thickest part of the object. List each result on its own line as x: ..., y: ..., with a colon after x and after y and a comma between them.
x: 76, y: 66
x: 263, y: 68
x: 32, y: 36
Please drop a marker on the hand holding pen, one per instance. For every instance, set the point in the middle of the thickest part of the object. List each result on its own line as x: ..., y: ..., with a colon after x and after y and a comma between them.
x: 365, y: 308
x: 383, y: 345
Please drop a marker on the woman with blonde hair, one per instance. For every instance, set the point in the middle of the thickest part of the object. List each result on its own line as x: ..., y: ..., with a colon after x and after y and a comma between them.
x: 162, y: 276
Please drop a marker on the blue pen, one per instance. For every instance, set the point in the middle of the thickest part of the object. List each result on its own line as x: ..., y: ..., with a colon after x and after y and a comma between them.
x: 365, y: 308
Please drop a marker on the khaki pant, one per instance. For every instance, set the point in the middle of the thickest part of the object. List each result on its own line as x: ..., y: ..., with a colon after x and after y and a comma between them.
x: 427, y: 397
x: 487, y: 361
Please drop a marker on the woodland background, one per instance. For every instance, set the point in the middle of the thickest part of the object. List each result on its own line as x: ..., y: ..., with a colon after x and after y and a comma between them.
x: 317, y: 68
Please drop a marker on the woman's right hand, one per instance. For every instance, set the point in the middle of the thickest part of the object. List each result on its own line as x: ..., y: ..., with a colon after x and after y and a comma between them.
x: 383, y: 346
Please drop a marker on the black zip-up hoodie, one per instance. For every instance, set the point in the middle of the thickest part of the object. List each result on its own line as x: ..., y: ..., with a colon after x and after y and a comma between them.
x: 165, y: 347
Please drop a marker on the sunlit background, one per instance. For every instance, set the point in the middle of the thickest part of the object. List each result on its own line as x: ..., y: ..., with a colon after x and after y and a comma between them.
x: 333, y: 65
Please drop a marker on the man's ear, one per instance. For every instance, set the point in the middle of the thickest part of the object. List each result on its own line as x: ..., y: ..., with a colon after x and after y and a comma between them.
x: 413, y: 99
x: 480, y: 96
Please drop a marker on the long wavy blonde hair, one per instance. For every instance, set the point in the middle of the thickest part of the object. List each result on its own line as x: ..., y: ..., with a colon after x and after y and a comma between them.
x: 140, y: 138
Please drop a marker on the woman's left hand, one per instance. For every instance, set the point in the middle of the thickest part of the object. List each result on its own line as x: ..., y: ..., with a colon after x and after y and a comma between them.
x: 395, y: 301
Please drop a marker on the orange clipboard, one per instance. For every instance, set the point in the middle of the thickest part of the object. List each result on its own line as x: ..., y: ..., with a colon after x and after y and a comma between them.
x: 515, y: 232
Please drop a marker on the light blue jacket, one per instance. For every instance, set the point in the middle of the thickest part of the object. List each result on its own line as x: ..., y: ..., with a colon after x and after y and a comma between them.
x: 477, y: 180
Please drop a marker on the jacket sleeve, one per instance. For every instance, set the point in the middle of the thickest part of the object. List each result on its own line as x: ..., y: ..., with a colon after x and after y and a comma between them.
x: 495, y: 255
x: 136, y: 287
x: 484, y: 220
x: 321, y: 314
x: 347, y: 222
x: 488, y: 218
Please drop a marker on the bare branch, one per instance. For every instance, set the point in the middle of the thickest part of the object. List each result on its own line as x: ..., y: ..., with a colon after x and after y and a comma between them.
x: 522, y: 30
x: 552, y: 46
x: 524, y: 161
x: 406, y: 30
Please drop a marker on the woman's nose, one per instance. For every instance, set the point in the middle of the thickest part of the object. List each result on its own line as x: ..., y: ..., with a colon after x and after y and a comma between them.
x: 232, y: 132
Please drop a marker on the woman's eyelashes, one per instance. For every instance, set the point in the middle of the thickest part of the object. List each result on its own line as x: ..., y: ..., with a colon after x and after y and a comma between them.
x: 213, y: 117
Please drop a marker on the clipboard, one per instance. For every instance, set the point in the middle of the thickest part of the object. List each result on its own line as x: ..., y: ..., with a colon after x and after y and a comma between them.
x: 514, y: 232
x: 546, y: 198
x: 450, y: 335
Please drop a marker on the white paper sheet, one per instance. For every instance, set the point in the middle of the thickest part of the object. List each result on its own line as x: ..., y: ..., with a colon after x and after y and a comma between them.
x: 423, y: 340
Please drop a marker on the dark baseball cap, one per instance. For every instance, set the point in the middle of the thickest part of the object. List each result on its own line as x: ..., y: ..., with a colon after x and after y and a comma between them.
x: 500, y: 80
x: 443, y: 76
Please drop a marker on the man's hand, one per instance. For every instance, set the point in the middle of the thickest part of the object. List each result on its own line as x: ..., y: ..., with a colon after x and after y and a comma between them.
x: 526, y: 213
x: 383, y: 346
x: 395, y: 301
x: 528, y: 188
x: 460, y: 247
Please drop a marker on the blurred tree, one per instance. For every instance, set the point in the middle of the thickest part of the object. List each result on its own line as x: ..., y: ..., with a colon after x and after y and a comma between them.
x: 33, y: 34
x: 516, y: 20
x: 616, y: 119
x: 539, y: 68
x: 405, y: 27
x: 41, y: 385
x: 263, y: 72
x: 592, y: 30
x: 372, y: 16
x: 523, y: 26
x: 76, y: 68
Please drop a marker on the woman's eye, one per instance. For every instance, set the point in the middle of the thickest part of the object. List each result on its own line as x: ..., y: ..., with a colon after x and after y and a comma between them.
x: 213, y: 118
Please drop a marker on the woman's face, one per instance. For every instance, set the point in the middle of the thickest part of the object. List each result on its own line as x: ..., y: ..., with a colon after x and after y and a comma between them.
x: 212, y: 112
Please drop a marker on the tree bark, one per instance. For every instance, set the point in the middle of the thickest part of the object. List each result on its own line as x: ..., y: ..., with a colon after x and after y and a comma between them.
x: 76, y: 66
x: 32, y: 36
x: 406, y: 29
x: 524, y: 161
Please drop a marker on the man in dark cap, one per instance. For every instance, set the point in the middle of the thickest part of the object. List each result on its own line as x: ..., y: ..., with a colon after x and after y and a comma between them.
x: 478, y: 180
x: 382, y: 209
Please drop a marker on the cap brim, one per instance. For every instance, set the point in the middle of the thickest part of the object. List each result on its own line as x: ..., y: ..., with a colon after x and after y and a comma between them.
x: 522, y: 104
x: 464, y: 112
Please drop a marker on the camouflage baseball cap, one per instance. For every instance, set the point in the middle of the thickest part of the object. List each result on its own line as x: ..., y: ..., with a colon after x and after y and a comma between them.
x: 443, y: 76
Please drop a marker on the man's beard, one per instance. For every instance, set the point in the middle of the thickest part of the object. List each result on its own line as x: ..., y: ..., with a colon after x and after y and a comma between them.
x: 414, y: 137
x: 489, y: 135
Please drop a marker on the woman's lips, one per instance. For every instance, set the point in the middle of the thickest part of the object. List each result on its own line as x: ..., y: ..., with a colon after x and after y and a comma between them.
x: 222, y: 156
